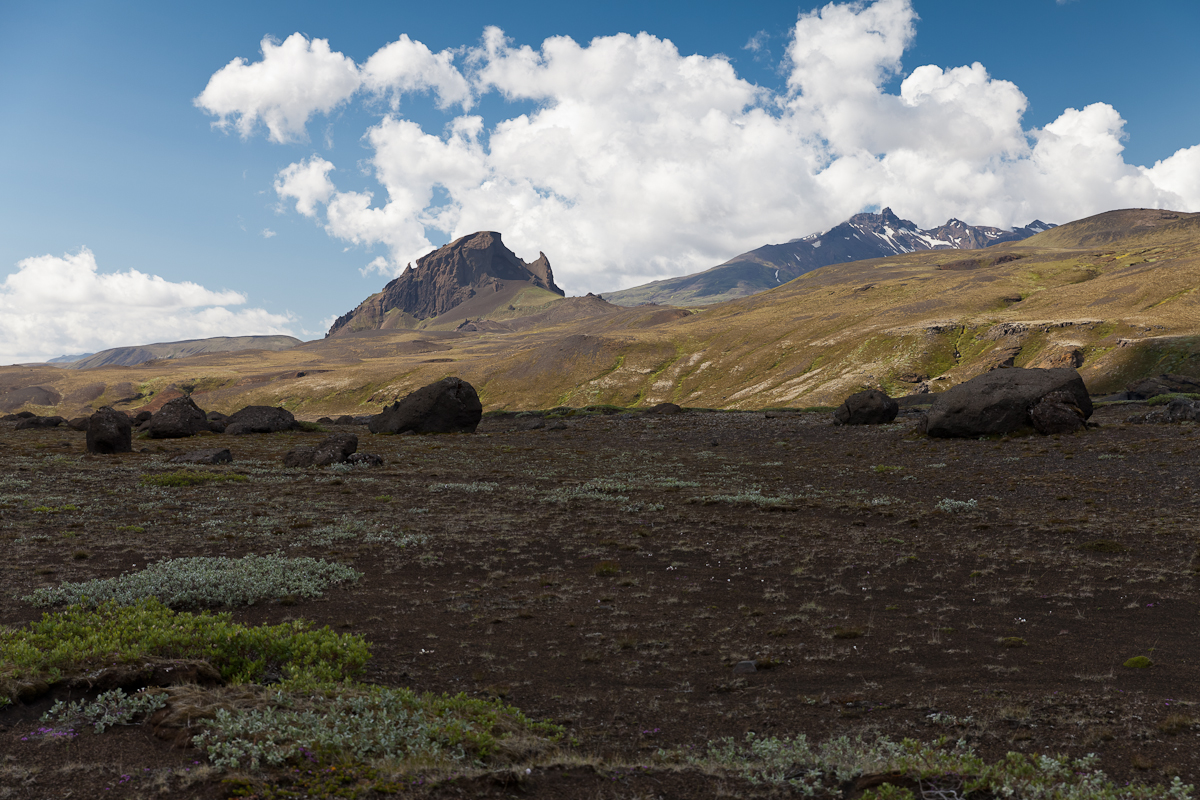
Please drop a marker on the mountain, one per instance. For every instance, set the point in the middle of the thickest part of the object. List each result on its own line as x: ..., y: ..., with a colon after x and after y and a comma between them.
x: 861, y: 237
x: 474, y: 266
x: 128, y: 356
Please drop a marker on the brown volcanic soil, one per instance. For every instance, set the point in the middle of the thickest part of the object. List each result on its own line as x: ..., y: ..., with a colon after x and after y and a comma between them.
x: 874, y: 612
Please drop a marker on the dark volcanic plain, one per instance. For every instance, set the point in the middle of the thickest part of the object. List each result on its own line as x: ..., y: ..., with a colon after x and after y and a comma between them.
x: 609, y: 574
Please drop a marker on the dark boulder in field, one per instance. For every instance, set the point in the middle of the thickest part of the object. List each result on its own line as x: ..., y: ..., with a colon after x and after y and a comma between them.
x: 215, y: 456
x: 39, y: 422
x: 335, y: 449
x: 109, y: 431
x: 449, y: 406
x: 871, y: 407
x: 78, y: 423
x: 346, y: 419
x: 176, y: 419
x: 142, y: 416
x: 20, y: 415
x: 260, y: 419
x: 1057, y: 412
x: 664, y: 408
x: 999, y: 402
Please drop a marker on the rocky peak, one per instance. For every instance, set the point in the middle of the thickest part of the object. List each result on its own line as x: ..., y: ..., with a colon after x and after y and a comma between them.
x: 447, y: 277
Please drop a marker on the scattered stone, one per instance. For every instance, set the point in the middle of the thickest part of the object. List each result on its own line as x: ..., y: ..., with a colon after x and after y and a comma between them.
x: 365, y: 460
x: 177, y: 419
x: 325, y: 421
x: 216, y: 456
x: 745, y: 668
x: 260, y: 419
x: 556, y: 426
x: 530, y: 423
x: 20, y: 415
x: 109, y: 431
x: 1057, y: 412
x: 40, y: 422
x: 346, y: 419
x: 142, y: 416
x: 871, y: 407
x: 78, y: 423
x: 449, y: 406
x: 665, y: 408
x: 998, y: 402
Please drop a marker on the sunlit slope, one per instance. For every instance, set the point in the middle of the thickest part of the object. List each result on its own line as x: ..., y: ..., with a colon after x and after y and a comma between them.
x: 1115, y: 294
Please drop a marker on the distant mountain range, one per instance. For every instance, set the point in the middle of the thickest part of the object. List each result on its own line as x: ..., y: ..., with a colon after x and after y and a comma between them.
x: 862, y: 237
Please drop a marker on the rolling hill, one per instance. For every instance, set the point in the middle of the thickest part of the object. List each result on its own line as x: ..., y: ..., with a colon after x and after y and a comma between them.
x: 1115, y: 294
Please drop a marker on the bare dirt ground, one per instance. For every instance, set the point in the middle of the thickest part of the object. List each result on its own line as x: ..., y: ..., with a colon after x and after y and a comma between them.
x: 608, y: 572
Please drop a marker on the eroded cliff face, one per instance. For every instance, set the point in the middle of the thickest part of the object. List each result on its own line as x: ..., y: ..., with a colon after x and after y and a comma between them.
x: 447, y: 277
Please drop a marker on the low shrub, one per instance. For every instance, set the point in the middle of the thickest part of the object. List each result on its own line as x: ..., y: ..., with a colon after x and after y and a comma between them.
x: 205, y: 581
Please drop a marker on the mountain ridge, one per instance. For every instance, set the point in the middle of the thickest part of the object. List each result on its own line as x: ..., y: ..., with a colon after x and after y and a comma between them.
x: 863, y: 236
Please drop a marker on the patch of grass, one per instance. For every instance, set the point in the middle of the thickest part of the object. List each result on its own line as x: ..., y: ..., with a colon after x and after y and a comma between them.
x: 311, y: 427
x: 204, y: 581
x: 1139, y: 662
x: 79, y: 639
x: 187, y: 477
x: 1012, y: 641
x: 606, y: 569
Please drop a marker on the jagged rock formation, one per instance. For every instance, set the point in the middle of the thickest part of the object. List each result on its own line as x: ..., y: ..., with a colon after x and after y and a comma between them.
x: 861, y: 237
x: 448, y: 277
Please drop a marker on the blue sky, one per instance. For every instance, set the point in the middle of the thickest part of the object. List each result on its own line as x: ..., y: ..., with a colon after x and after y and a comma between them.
x: 128, y: 217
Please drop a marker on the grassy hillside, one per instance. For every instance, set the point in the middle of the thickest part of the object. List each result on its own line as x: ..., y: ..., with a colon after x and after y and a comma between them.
x: 1115, y: 294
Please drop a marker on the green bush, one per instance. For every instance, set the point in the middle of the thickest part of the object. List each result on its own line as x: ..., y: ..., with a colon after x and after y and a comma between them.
x: 81, y: 639
x: 204, y: 581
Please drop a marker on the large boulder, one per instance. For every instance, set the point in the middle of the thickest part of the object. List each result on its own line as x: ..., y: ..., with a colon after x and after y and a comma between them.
x: 999, y: 401
x: 260, y: 419
x: 176, y: 419
x: 109, y: 431
x: 449, y: 406
x: 871, y: 407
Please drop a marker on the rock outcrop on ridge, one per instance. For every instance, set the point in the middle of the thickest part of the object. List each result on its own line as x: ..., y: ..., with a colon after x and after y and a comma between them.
x: 448, y: 277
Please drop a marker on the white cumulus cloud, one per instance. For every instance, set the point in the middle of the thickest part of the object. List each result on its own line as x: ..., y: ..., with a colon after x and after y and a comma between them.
x: 638, y: 162
x: 54, y: 305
